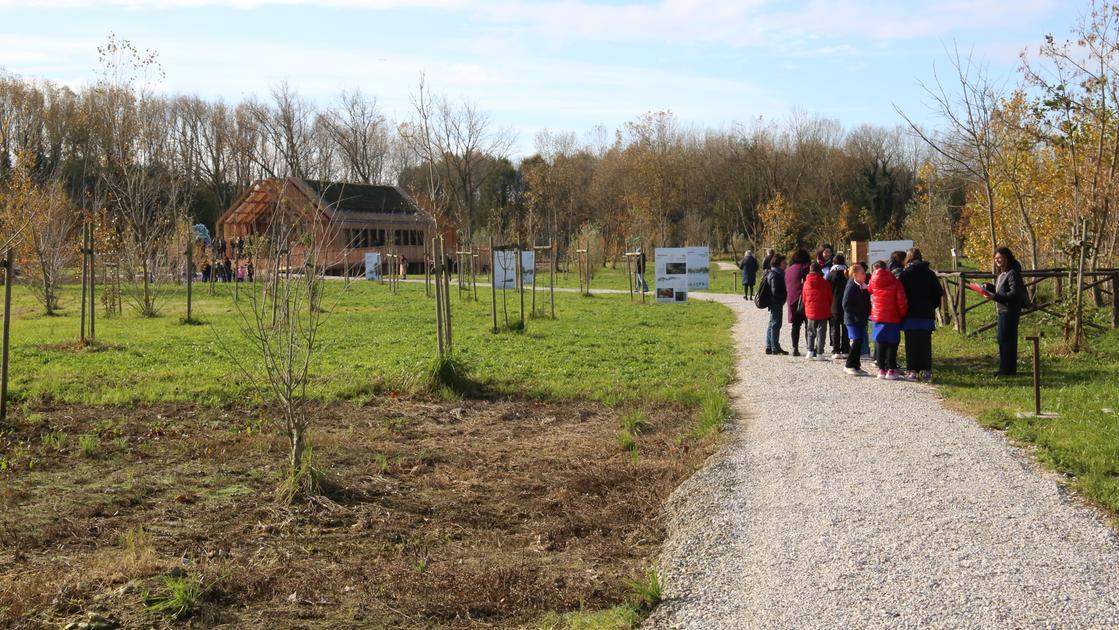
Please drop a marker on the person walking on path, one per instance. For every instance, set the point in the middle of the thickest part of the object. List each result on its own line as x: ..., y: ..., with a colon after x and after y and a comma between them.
x: 856, y: 312
x: 776, y: 279
x: 817, y: 310
x: 794, y: 281
x: 837, y: 278
x: 1009, y: 294
x: 887, y: 310
x: 639, y: 271
x: 767, y: 262
x: 749, y: 267
x: 923, y: 292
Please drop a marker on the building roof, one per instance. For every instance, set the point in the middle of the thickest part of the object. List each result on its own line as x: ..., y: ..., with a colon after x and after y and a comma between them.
x: 361, y: 198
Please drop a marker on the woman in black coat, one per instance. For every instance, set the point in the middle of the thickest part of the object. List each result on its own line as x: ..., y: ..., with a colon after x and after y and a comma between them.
x: 1009, y: 294
x: 923, y: 291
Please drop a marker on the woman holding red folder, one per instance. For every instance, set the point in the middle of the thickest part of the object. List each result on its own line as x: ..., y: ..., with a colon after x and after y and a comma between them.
x: 1009, y: 294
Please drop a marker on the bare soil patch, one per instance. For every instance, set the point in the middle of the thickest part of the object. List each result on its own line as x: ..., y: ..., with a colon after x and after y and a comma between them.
x: 447, y: 514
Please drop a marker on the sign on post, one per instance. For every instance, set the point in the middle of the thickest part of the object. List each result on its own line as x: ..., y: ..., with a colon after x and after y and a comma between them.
x: 699, y: 267
x: 881, y: 250
x: 372, y: 265
x: 505, y: 269
x: 528, y: 268
x: 671, y: 264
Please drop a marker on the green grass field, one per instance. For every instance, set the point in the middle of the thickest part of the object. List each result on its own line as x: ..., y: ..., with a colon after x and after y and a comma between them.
x: 1084, y: 389
x: 601, y: 348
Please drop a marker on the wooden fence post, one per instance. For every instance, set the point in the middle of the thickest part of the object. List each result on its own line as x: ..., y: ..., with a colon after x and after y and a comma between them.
x: 552, y: 288
x: 190, y: 276
x: 1115, y: 300
x: 493, y: 285
x: 961, y: 321
x: 9, y: 277
x: 85, y: 281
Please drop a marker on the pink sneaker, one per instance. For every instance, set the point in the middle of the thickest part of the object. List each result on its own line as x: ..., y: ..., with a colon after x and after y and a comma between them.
x: 881, y: 373
x: 892, y: 375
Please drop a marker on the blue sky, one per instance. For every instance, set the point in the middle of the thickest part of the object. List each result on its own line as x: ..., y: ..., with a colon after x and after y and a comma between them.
x: 558, y: 64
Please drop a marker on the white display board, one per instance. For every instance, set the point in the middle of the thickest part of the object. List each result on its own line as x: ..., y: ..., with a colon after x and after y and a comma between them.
x: 881, y: 250
x: 372, y: 265
x: 505, y: 269
x: 528, y: 268
x: 699, y: 267
x: 671, y: 264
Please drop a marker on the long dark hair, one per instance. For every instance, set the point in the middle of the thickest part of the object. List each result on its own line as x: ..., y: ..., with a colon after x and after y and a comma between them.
x: 1011, y: 260
x: 800, y: 257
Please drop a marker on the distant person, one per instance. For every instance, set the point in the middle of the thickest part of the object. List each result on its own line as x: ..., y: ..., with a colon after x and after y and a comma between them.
x: 749, y: 267
x: 403, y: 267
x: 639, y: 270
x: 250, y: 270
x: 837, y: 278
x: 1009, y: 294
x: 206, y: 271
x: 794, y: 280
x: 824, y: 256
x: 241, y: 273
x: 817, y: 311
x: 776, y: 279
x: 887, y: 310
x: 767, y: 262
x: 856, y: 312
x: 227, y: 270
x: 923, y: 292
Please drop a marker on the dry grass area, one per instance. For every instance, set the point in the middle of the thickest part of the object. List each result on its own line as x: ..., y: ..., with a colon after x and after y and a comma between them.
x: 468, y: 514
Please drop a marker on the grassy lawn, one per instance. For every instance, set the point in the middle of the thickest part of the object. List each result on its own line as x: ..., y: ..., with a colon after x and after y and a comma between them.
x: 601, y: 348
x: 529, y: 507
x: 1083, y: 442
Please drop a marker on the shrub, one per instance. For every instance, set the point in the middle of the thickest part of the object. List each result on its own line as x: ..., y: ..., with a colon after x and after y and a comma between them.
x: 180, y: 597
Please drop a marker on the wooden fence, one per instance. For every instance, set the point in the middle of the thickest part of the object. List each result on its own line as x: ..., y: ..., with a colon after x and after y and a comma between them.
x: 954, y: 306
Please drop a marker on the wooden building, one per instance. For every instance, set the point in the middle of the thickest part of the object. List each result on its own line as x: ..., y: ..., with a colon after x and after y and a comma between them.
x: 352, y: 219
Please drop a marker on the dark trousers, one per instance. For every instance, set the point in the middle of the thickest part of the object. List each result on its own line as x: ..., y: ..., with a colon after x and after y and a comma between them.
x: 747, y: 289
x: 1008, y: 342
x: 918, y: 350
x: 855, y: 354
x: 886, y: 355
x: 817, y: 333
x: 798, y: 323
x: 840, y: 344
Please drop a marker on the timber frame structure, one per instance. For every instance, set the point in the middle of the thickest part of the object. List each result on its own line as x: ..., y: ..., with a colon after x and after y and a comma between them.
x: 349, y: 220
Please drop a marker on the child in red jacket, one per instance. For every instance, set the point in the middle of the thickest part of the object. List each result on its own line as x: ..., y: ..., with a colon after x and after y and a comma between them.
x: 888, y: 307
x: 817, y: 296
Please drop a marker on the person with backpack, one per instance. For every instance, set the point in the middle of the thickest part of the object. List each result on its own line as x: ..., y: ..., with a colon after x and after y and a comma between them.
x: 794, y: 281
x: 749, y: 267
x: 888, y: 307
x: 773, y: 295
x: 856, y: 312
x: 817, y: 311
x: 837, y: 278
x: 1009, y: 294
x: 923, y: 292
x: 767, y: 262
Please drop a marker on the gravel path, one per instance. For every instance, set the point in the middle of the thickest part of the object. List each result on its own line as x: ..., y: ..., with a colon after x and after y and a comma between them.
x: 847, y: 502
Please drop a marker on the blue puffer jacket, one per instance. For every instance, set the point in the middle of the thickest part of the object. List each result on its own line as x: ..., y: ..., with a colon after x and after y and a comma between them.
x: 856, y: 305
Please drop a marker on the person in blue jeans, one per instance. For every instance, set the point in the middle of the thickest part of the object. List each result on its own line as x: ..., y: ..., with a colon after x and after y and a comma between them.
x: 776, y: 279
x: 1009, y: 293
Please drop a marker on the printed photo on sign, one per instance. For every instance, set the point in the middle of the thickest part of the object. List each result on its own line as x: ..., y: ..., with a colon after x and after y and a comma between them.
x: 372, y: 265
x: 671, y: 264
x: 505, y: 269
x: 699, y: 267
x: 528, y: 268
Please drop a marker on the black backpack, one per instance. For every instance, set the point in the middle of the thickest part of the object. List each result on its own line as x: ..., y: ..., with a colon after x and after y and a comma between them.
x: 764, y: 297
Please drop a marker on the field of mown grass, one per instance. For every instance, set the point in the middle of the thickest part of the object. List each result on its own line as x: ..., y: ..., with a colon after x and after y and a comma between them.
x: 1083, y: 442
x: 601, y: 348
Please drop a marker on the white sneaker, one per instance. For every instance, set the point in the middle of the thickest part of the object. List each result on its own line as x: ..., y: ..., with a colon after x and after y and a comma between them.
x: 811, y: 356
x: 821, y: 357
x: 836, y: 356
x: 854, y: 371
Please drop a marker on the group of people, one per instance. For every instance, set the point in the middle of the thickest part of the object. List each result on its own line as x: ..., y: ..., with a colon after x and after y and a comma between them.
x: 223, y: 271
x: 834, y: 303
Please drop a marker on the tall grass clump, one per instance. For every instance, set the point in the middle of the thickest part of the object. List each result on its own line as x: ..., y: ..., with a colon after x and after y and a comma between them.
x: 714, y: 413
x: 449, y: 373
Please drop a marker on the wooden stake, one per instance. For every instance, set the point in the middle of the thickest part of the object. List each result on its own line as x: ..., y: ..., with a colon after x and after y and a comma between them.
x: 552, y: 287
x: 85, y: 281
x: 190, y: 276
x: 438, y: 301
x: 9, y: 277
x: 519, y: 267
x: 493, y: 285
x: 92, y: 287
x: 447, y: 303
